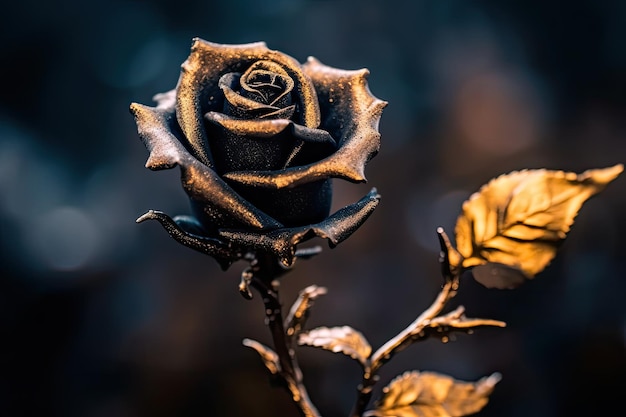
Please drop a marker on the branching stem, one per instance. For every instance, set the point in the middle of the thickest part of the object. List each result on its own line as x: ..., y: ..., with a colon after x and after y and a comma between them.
x: 395, y: 345
x: 289, y: 369
x: 412, y: 332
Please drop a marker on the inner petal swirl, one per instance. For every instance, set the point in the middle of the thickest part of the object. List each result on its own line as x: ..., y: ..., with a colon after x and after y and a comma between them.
x: 268, y: 83
x: 262, y: 92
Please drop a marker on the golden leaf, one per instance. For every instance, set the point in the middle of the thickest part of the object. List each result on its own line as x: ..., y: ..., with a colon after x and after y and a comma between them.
x: 428, y: 394
x: 511, y: 229
x: 338, y: 339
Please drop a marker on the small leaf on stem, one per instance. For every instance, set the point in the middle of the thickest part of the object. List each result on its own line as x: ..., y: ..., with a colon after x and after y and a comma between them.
x: 419, y: 394
x: 296, y: 319
x: 339, y: 339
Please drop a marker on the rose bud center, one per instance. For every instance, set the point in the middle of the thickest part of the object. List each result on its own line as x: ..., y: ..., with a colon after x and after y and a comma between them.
x: 262, y: 92
x: 265, y: 87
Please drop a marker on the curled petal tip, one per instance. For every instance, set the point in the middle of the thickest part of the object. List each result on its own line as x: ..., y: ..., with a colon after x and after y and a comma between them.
x: 355, y: 174
x: 133, y: 108
x: 145, y: 216
x: 373, y: 194
x: 136, y: 108
x: 151, y: 215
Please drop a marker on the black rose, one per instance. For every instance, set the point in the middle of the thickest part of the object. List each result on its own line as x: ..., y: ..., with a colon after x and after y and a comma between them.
x: 258, y: 138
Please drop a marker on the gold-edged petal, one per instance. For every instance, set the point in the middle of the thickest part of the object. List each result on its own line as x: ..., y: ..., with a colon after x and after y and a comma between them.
x: 259, y: 128
x: 268, y: 68
x: 268, y: 128
x: 350, y: 113
x: 282, y: 242
x: 197, y: 90
x: 155, y: 126
x: 239, y: 101
x: 185, y: 231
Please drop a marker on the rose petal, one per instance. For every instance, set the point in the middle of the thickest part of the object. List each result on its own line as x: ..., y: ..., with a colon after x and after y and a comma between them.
x: 268, y: 67
x: 227, y: 82
x: 197, y: 91
x: 267, y: 128
x: 155, y: 127
x: 346, y: 220
x: 284, y: 113
x: 350, y: 113
x: 184, y: 231
x: 307, y: 144
x: 282, y: 242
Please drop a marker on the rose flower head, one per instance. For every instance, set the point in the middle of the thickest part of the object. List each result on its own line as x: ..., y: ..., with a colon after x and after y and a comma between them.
x: 258, y: 138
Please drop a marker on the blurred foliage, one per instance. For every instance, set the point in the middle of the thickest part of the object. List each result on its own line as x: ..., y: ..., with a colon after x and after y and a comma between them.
x: 104, y: 317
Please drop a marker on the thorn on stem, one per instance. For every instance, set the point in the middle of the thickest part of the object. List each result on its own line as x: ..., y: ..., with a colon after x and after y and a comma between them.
x: 444, y: 255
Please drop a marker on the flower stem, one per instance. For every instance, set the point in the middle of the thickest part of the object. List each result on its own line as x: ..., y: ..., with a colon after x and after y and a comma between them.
x: 289, y: 369
x: 408, y: 335
x: 395, y: 345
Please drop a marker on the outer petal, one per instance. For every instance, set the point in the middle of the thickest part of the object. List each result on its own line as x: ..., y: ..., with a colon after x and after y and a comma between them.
x: 350, y: 113
x: 198, y: 92
x: 267, y: 128
x: 282, y: 242
x: 156, y: 126
x: 183, y: 230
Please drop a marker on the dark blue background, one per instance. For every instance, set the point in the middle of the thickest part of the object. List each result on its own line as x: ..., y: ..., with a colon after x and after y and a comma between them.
x: 102, y: 317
